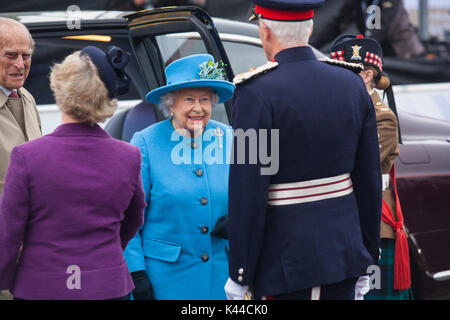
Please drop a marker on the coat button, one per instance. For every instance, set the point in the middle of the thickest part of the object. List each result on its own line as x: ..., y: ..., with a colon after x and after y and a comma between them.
x: 199, y: 172
x: 194, y: 145
x: 241, y: 271
x: 204, y: 201
x: 205, y: 229
x: 205, y: 257
x: 240, y: 278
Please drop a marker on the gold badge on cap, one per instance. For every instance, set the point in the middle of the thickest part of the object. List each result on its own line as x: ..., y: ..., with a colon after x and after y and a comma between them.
x: 356, y: 55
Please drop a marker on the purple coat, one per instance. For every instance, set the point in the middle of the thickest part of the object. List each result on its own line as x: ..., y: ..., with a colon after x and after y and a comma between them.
x: 74, y: 198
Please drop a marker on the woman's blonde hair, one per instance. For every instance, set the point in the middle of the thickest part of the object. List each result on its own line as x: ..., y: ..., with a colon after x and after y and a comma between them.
x: 79, y: 91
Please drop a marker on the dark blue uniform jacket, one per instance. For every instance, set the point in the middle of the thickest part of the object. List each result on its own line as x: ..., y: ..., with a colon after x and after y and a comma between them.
x: 327, y: 127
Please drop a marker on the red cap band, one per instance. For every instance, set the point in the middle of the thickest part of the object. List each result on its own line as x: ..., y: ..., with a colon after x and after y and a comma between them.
x: 283, y: 15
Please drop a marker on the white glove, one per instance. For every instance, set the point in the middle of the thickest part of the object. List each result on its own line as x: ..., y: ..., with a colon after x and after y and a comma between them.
x: 235, y: 291
x: 362, y: 287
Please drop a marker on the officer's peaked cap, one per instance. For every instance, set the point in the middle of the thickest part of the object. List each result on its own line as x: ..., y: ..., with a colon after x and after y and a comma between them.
x: 285, y: 10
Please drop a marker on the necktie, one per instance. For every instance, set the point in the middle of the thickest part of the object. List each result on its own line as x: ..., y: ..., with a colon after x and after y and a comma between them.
x: 13, y: 94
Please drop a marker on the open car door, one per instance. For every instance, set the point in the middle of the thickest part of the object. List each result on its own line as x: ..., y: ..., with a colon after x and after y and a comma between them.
x: 160, y: 36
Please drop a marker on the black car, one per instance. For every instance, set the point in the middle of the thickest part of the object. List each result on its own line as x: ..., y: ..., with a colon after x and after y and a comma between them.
x: 157, y: 37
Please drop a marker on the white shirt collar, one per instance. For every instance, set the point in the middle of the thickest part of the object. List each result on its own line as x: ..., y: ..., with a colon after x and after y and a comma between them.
x: 6, y: 91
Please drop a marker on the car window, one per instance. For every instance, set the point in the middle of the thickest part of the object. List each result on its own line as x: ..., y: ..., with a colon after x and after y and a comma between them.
x: 44, y: 56
x: 244, y: 56
x: 178, y: 45
x: 426, y: 100
x: 49, y: 51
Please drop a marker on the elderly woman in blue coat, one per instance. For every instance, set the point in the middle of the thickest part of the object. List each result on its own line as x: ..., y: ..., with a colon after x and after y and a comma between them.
x: 181, y: 251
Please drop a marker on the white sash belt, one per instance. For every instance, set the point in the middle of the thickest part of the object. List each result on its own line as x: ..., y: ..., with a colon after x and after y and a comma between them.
x: 309, y: 191
x: 385, y: 181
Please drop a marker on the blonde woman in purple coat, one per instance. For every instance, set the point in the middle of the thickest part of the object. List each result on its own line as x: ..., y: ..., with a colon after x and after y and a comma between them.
x: 73, y: 198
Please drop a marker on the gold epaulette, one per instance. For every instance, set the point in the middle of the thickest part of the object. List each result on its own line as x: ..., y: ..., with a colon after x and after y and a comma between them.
x: 254, y: 72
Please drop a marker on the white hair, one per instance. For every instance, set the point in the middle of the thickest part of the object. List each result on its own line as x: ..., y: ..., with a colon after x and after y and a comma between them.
x: 168, y: 99
x: 290, y: 33
x: 8, y: 24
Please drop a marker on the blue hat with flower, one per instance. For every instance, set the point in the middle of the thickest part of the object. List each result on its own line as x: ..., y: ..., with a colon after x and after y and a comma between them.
x: 195, y: 71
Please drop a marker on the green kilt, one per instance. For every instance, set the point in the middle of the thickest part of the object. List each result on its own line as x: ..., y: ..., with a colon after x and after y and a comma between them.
x: 386, y: 264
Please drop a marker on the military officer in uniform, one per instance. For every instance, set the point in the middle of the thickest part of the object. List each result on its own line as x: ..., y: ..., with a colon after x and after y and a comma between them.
x: 310, y: 229
x: 395, y: 285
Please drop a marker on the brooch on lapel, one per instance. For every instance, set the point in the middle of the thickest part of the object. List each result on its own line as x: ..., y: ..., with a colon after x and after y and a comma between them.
x: 219, y: 134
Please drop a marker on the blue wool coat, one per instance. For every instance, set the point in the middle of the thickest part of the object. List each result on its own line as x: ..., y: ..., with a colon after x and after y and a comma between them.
x: 186, y: 190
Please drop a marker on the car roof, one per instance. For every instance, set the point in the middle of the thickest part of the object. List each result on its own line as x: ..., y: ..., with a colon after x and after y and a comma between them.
x: 43, y: 18
x: 61, y: 16
x: 231, y: 30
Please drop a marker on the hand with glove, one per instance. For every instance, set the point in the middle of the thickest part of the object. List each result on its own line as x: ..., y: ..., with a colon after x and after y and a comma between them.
x: 235, y: 291
x: 362, y: 287
x: 221, y: 228
x: 143, y: 288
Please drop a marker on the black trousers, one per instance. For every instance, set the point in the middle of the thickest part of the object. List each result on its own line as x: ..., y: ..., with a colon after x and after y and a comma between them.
x: 344, y: 290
